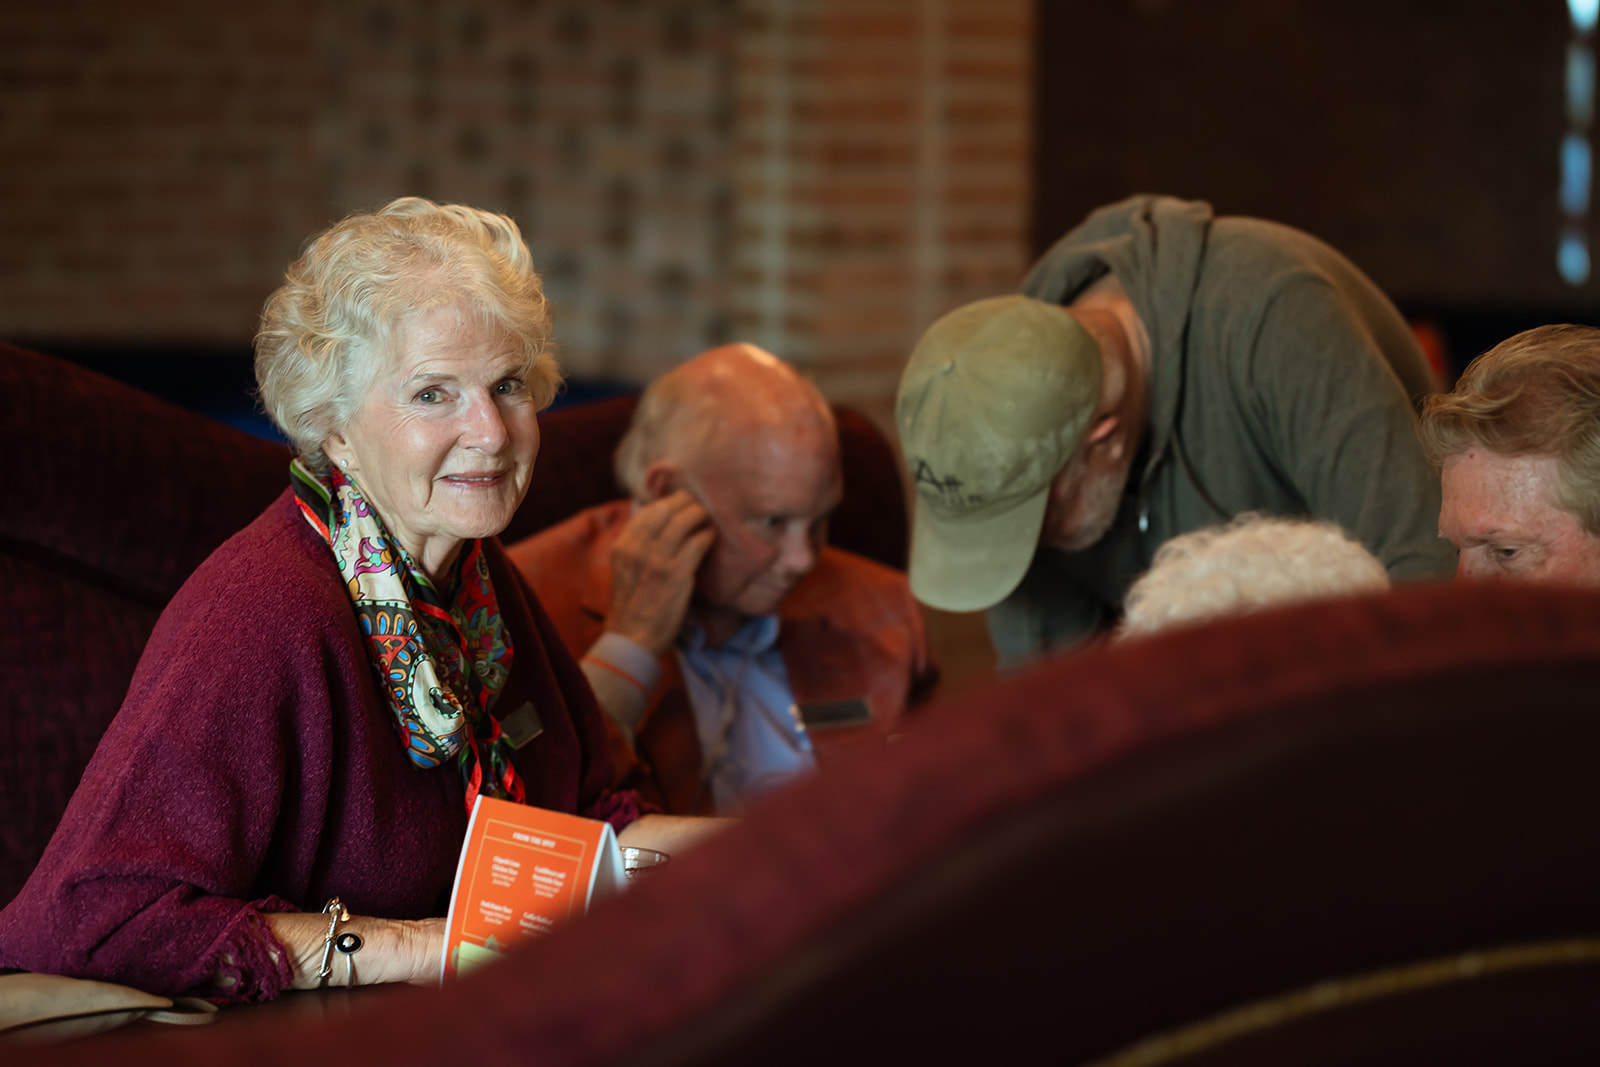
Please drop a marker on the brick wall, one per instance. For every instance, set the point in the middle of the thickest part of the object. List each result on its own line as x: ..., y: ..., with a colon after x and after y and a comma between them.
x: 158, y: 172
x: 165, y: 160
x: 604, y: 128
x: 823, y: 175
x: 882, y: 176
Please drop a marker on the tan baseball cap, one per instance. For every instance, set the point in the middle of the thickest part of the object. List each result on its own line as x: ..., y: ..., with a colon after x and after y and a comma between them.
x: 994, y: 400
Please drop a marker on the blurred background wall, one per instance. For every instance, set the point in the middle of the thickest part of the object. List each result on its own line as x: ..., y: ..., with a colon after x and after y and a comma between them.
x: 1424, y: 139
x: 821, y: 176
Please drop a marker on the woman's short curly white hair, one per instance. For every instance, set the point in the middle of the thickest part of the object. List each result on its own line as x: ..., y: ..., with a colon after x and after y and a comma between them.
x: 326, y: 331
x: 1253, y: 562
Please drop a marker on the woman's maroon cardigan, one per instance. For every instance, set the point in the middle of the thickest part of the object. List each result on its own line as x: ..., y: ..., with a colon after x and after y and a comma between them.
x: 254, y: 767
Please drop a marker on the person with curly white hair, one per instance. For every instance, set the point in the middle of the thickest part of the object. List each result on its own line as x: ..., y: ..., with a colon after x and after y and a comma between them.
x: 1253, y: 562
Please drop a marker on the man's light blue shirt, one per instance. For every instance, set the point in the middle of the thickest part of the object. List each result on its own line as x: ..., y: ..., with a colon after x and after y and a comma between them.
x: 751, y: 737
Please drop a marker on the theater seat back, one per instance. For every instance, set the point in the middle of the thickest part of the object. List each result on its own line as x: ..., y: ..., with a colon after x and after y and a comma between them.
x: 1355, y: 832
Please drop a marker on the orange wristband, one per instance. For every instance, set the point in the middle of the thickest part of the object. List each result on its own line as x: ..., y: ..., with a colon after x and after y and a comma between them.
x: 619, y: 672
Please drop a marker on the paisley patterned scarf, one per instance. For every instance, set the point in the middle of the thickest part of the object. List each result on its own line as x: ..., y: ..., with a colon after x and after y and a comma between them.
x: 440, y: 663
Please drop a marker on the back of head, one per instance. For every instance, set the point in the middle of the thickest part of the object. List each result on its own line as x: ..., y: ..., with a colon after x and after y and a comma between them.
x: 711, y: 401
x: 1256, y: 561
x: 325, y: 331
x: 1537, y: 393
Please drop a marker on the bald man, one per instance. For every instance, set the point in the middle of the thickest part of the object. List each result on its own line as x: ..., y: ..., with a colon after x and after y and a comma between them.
x: 729, y: 646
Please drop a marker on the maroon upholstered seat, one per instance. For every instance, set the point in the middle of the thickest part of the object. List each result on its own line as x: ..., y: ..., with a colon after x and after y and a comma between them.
x: 1108, y: 848
x: 114, y: 497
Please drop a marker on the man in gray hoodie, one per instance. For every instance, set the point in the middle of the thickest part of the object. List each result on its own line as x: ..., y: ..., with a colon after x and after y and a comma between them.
x: 1164, y: 369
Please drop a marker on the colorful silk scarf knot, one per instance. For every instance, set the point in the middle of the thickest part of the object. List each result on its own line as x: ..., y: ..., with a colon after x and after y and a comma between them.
x: 439, y: 663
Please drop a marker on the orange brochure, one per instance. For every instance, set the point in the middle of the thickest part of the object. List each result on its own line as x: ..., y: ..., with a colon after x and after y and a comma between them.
x: 522, y: 870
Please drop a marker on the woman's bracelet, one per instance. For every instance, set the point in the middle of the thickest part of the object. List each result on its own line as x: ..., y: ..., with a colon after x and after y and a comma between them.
x: 346, y: 943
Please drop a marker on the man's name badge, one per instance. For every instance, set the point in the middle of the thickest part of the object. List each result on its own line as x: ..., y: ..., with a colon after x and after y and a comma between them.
x: 835, y: 714
x: 522, y: 725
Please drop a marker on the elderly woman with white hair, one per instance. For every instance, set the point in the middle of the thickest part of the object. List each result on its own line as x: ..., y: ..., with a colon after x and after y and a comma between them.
x: 322, y: 702
x: 1256, y: 561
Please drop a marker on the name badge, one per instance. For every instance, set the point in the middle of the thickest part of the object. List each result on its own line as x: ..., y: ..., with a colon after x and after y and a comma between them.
x: 522, y: 725
x: 835, y: 714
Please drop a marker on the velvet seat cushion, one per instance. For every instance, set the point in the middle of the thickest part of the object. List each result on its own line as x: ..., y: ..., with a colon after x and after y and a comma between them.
x: 113, y: 498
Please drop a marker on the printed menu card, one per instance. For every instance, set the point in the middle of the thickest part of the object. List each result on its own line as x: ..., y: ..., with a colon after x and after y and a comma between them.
x: 523, y: 869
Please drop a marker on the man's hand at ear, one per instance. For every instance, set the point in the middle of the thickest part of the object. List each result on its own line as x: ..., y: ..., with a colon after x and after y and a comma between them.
x: 653, y: 565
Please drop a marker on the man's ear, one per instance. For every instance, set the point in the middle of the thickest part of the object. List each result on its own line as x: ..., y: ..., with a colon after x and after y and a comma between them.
x: 1106, y: 437
x: 661, y: 479
x: 1103, y: 427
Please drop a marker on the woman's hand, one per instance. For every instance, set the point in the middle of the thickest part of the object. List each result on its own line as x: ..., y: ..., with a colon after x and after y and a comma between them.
x: 672, y: 834
x: 392, y: 950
